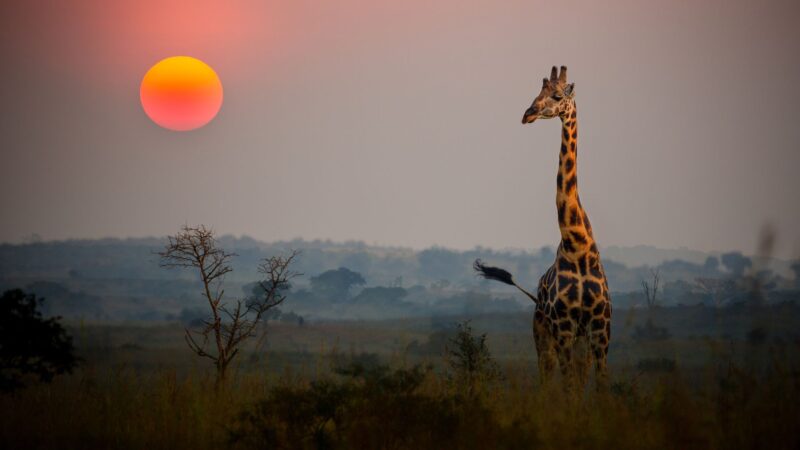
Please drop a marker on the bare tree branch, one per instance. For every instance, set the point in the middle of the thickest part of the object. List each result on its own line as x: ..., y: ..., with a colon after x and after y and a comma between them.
x: 651, y: 290
x: 718, y: 288
x: 196, y: 247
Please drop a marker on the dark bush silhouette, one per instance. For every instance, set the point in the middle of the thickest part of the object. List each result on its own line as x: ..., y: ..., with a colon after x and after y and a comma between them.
x: 31, y: 347
x: 336, y: 284
x: 372, y: 407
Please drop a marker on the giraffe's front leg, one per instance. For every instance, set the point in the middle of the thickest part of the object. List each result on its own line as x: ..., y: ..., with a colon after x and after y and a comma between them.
x: 600, y: 339
x: 547, y: 364
x: 566, y: 342
x: 545, y: 347
x: 583, y: 359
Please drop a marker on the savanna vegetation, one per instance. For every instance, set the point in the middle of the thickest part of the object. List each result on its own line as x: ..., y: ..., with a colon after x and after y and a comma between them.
x: 424, y: 383
x: 704, y: 354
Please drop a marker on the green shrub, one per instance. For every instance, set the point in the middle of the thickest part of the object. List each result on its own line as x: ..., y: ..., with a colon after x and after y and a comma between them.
x: 470, y: 364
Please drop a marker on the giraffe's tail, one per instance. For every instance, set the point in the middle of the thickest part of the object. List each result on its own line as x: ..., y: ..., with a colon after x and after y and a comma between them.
x: 501, y: 275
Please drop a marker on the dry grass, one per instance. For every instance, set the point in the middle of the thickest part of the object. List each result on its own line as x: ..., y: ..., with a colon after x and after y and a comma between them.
x: 139, y: 388
x: 721, y: 407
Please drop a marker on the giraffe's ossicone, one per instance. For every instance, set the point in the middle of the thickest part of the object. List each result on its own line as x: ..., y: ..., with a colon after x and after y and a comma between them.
x: 572, y: 300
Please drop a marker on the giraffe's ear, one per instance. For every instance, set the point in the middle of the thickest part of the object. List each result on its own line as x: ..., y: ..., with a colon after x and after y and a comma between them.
x: 569, y: 90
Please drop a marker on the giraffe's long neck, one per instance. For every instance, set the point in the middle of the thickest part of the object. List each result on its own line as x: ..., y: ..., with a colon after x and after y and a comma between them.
x: 576, y: 231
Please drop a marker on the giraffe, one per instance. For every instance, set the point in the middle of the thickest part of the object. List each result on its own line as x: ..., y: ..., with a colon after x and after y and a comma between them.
x: 572, y: 299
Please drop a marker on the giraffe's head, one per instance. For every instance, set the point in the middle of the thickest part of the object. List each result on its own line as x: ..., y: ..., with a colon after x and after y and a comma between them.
x: 554, y: 100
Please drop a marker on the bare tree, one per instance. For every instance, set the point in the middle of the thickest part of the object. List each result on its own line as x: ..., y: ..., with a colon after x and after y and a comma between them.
x: 650, y: 331
x: 717, y: 288
x: 229, y: 324
x: 651, y: 290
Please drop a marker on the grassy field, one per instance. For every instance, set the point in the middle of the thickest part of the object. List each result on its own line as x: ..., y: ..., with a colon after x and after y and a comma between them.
x: 705, y: 387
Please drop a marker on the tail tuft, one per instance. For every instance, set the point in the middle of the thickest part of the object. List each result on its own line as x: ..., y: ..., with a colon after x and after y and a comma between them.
x: 493, y: 273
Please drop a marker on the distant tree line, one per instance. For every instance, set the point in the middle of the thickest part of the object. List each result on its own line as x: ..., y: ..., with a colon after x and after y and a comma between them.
x: 120, y: 279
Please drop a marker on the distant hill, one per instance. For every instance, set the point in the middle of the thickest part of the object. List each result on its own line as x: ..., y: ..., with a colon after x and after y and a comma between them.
x: 647, y: 255
x: 111, y: 279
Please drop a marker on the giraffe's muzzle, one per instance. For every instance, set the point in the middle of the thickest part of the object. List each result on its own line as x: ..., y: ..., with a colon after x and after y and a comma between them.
x: 529, y: 116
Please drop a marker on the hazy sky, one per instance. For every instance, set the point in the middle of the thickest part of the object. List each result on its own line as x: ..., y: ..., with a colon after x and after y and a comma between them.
x: 399, y: 122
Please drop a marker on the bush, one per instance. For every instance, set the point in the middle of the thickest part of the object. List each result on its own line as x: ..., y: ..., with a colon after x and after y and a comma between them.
x: 30, y: 347
x: 372, y: 407
x: 469, y: 360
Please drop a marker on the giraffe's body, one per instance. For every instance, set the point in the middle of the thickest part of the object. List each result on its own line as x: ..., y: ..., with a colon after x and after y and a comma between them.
x: 572, y: 300
x: 573, y: 293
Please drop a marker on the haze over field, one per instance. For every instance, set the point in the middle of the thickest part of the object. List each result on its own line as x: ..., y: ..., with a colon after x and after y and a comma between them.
x: 117, y: 280
x: 347, y: 249
x: 397, y: 123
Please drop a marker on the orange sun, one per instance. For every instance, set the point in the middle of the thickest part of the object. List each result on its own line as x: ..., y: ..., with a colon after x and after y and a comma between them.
x: 181, y: 93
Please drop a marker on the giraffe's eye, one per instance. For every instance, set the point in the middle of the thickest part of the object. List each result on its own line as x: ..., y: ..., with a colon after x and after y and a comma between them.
x: 557, y: 96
